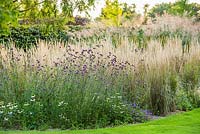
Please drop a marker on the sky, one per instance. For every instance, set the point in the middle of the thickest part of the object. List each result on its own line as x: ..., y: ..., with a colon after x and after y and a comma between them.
x: 139, y: 5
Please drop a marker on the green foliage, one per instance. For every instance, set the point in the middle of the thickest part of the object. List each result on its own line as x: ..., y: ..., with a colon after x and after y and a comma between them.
x: 188, y: 121
x: 68, y: 6
x: 112, y: 12
x: 8, y: 16
x: 40, y: 13
x: 129, y: 11
x: 141, y: 39
x: 37, y: 95
x: 27, y: 37
x: 179, y: 8
x: 186, y: 40
x: 30, y: 10
x: 183, y: 101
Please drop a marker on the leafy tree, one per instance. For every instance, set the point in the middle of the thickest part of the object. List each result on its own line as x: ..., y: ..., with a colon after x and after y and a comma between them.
x: 180, y: 8
x: 30, y: 9
x: 112, y: 12
x: 68, y: 6
x: 8, y: 15
x: 39, y: 12
x: 159, y: 9
x: 129, y: 11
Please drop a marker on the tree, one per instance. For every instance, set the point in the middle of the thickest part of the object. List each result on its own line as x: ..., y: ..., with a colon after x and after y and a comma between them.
x: 112, y: 12
x: 68, y: 6
x: 129, y: 11
x: 38, y: 11
x: 179, y: 8
x: 8, y: 16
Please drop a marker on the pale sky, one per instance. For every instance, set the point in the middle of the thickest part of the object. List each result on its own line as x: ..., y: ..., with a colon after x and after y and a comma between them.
x: 139, y: 5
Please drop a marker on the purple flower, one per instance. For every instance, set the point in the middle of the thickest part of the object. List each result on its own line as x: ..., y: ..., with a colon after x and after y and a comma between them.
x: 134, y: 105
x: 147, y: 112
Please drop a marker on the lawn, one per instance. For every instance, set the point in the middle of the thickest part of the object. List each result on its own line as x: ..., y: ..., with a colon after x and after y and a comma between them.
x: 184, y: 123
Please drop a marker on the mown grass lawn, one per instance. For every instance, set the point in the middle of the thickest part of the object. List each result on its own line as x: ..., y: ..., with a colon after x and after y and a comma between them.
x: 185, y: 123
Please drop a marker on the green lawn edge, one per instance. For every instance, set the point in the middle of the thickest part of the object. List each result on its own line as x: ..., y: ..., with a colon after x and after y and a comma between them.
x: 182, y: 123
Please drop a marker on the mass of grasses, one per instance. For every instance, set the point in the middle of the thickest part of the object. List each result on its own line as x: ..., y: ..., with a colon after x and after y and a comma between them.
x: 92, y: 81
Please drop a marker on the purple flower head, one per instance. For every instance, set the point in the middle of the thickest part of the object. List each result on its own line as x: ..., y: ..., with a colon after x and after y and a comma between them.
x: 147, y: 112
x: 134, y: 105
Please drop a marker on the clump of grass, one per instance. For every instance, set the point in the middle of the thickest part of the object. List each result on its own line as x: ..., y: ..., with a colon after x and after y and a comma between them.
x: 77, y: 89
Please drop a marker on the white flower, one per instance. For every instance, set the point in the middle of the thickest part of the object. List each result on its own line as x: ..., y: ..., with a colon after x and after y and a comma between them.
x: 5, y: 119
x: 61, y: 103
x: 15, y: 106
x: 112, y: 97
x: 32, y: 100
x: 2, y: 106
x: 9, y: 104
x: 1, y: 102
x: 1, y: 112
x: 26, y: 104
x: 19, y: 111
x: 119, y: 97
x: 33, y: 96
x: 10, y: 113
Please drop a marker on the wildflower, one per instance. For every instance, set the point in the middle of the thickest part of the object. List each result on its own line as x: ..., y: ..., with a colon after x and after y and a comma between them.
x: 112, y: 97
x: 147, y: 112
x: 134, y: 105
x: 32, y: 100
x: 61, y: 103
x: 26, y: 104
x: 18, y: 111
x: 3, y: 107
x: 10, y: 113
x: 11, y: 108
x: 119, y: 97
x: 5, y: 119
x: 15, y: 106
x: 1, y: 102
x: 9, y: 104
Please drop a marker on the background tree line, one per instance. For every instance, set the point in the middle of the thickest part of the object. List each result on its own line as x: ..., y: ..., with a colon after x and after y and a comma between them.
x: 25, y: 21
x: 30, y: 12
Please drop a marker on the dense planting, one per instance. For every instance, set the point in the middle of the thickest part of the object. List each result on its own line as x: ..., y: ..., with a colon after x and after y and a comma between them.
x: 57, y: 76
x: 78, y: 90
x: 58, y: 86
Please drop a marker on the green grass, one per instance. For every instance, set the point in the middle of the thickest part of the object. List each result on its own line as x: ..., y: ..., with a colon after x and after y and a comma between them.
x: 185, y: 123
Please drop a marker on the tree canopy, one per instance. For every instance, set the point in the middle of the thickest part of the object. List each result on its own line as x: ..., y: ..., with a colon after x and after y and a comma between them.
x: 8, y: 15
x: 36, y: 11
x: 113, y: 12
x: 180, y: 8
